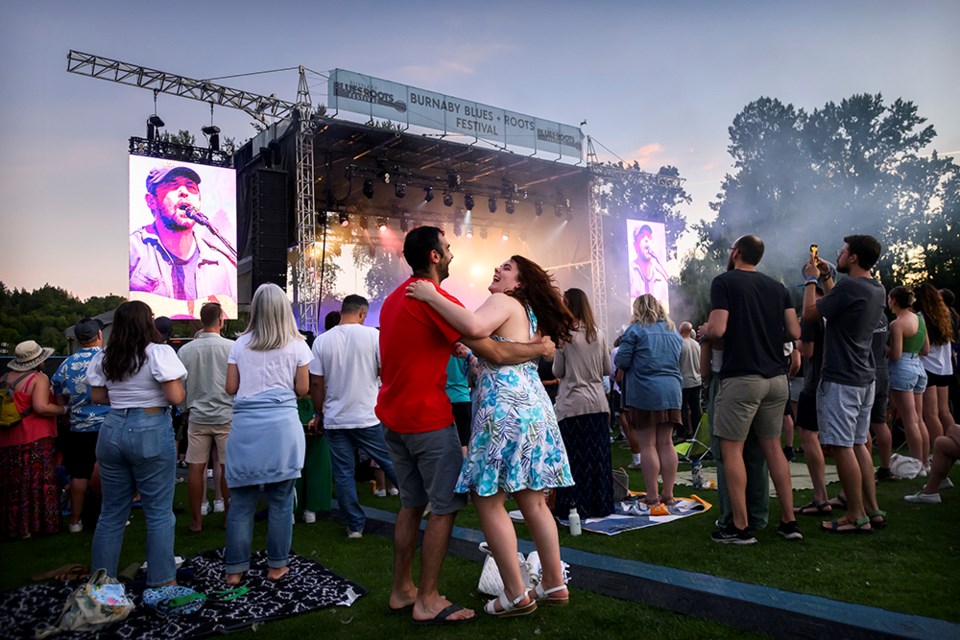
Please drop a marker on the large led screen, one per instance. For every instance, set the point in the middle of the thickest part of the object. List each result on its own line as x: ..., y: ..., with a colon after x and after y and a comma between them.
x: 183, y: 237
x: 647, y: 253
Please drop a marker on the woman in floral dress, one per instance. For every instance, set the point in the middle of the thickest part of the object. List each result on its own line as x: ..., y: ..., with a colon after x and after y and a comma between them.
x: 515, y: 446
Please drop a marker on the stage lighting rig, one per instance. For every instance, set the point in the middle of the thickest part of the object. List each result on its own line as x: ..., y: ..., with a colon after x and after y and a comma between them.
x: 368, y: 189
x: 382, y: 224
x: 447, y: 199
x: 453, y: 180
x: 468, y: 201
x: 344, y: 219
x: 492, y: 204
x: 427, y: 194
x: 400, y: 190
x: 510, y: 206
x: 469, y: 232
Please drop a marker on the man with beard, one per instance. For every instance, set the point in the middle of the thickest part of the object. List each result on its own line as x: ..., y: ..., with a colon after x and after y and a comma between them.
x: 852, y: 309
x: 647, y: 274
x: 174, y: 257
x: 752, y: 314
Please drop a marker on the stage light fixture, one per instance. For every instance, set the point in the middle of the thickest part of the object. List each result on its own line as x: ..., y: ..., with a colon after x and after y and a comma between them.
x: 213, y: 136
x: 447, y: 199
x: 427, y: 194
x: 386, y: 177
x: 492, y: 204
x: 453, y: 179
x: 510, y: 206
x: 538, y: 207
x: 505, y: 236
x: 404, y: 224
x: 368, y: 189
x: 344, y: 219
x: 400, y: 190
x: 468, y: 202
x: 382, y: 224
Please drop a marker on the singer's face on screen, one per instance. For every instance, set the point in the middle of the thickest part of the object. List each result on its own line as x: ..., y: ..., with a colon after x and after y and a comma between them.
x: 642, y: 247
x: 172, y: 200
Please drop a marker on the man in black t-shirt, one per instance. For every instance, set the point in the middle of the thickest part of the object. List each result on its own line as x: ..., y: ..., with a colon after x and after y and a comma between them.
x: 852, y: 309
x: 753, y: 315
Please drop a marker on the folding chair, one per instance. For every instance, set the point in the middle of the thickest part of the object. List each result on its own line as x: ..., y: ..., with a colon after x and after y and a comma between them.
x: 697, y: 447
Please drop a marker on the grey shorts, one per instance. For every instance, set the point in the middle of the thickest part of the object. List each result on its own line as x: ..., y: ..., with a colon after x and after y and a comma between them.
x: 843, y: 412
x: 428, y: 465
x: 750, y: 403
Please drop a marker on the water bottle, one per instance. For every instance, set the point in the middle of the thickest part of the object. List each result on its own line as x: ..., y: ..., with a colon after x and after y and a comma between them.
x: 574, y: 520
x: 697, y: 474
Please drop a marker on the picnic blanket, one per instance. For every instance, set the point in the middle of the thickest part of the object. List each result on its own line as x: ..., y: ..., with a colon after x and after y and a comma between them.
x: 308, y: 586
x: 635, y: 514
x: 799, y: 477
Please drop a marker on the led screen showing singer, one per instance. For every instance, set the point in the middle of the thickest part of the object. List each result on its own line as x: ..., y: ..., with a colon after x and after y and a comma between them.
x: 182, y: 236
x: 648, y: 251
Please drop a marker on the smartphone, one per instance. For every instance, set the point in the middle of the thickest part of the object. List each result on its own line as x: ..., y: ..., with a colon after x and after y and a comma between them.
x: 814, y: 253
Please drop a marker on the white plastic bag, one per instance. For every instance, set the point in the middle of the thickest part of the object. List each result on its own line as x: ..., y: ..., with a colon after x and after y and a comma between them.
x: 490, y: 581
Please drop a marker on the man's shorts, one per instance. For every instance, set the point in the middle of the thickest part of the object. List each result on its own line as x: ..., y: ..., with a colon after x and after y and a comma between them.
x: 907, y: 374
x: 80, y: 454
x: 807, y: 412
x: 881, y: 398
x: 199, y: 439
x: 746, y: 403
x: 844, y: 413
x: 427, y: 466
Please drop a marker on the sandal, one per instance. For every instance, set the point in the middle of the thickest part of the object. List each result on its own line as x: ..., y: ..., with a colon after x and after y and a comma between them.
x: 510, y: 608
x: 860, y: 525
x: 878, y: 518
x: 813, y: 508
x: 840, y: 502
x: 542, y: 596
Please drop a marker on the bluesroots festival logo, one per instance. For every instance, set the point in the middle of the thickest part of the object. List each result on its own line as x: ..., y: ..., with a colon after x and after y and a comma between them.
x: 368, y: 93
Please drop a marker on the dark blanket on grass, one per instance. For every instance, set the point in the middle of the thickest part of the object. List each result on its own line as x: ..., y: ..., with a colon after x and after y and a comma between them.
x: 308, y: 587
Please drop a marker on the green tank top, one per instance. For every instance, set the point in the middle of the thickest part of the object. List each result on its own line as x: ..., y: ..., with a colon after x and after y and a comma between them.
x: 914, y: 343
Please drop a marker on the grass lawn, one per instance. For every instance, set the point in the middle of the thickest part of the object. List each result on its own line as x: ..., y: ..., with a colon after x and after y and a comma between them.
x: 900, y: 568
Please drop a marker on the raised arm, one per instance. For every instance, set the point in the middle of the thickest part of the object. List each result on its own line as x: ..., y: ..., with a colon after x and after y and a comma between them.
x: 471, y: 324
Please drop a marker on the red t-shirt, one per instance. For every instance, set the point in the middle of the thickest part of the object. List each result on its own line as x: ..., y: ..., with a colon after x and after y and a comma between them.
x: 415, y: 345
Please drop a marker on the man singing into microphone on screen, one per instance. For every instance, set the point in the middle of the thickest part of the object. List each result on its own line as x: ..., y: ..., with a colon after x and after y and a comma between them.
x: 647, y: 275
x: 176, y: 256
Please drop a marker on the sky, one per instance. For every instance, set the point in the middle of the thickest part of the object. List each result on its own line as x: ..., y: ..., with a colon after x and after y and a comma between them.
x: 657, y: 82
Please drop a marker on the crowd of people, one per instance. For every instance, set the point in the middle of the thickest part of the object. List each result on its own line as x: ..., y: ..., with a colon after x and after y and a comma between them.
x: 450, y: 403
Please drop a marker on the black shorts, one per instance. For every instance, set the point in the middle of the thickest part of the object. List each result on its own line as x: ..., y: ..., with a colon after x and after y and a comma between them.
x: 937, y: 380
x: 807, y: 412
x: 80, y: 453
x: 463, y: 417
x: 881, y: 398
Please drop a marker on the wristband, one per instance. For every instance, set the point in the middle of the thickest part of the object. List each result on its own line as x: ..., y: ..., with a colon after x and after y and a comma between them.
x: 814, y: 281
x: 811, y: 279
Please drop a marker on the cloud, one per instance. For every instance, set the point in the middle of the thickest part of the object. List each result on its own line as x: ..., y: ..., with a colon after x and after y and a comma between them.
x: 458, y: 63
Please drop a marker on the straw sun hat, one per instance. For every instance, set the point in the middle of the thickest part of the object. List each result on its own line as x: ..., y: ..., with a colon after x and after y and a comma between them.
x: 29, y: 355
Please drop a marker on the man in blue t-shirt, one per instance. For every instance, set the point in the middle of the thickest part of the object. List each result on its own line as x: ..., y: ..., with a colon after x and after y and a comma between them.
x: 80, y: 451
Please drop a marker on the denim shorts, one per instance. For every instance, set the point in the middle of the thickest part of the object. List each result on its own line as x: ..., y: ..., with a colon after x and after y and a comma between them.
x: 907, y: 374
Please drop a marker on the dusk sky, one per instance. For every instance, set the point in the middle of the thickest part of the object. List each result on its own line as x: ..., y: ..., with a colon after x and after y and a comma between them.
x: 657, y: 82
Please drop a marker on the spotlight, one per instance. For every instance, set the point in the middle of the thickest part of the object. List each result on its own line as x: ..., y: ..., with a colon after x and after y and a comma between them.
x: 344, y: 219
x: 505, y: 236
x: 510, y: 206
x: 382, y: 224
x: 492, y: 204
x: 453, y: 179
x: 368, y: 189
x: 469, y: 232
x: 386, y: 177
x: 538, y: 207
x: 447, y: 199
x: 404, y: 224
x: 427, y: 194
x: 400, y: 190
x: 468, y: 202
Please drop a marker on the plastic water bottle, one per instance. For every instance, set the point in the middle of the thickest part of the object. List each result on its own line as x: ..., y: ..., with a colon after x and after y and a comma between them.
x: 574, y: 520
x: 697, y: 474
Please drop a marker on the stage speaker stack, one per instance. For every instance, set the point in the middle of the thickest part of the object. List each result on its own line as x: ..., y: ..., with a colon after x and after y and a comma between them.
x: 270, y: 227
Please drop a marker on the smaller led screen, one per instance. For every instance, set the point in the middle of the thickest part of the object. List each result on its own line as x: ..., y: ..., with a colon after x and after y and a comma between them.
x: 648, y: 250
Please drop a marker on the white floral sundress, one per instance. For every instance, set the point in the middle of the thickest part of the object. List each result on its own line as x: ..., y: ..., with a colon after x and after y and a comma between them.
x: 515, y: 443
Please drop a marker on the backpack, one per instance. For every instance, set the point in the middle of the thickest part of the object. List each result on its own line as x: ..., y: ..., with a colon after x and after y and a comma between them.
x: 92, y: 606
x: 10, y: 416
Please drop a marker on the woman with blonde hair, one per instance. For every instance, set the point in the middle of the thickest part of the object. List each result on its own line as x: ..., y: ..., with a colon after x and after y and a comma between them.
x: 649, y: 356
x: 267, y: 369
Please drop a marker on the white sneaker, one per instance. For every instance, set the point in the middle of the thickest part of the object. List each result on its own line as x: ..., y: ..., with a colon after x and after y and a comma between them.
x: 219, y: 506
x: 75, y: 528
x: 204, y: 508
x: 946, y: 484
x: 354, y: 535
x: 923, y: 498
x: 380, y: 493
x: 393, y: 491
x: 309, y: 516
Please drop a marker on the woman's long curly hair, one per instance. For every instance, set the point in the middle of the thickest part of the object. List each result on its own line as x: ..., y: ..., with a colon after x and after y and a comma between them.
x: 935, y: 313
x: 131, y: 332
x: 537, y: 289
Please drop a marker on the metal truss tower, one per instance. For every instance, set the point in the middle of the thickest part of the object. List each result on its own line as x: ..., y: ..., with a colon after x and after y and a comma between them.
x: 306, y: 289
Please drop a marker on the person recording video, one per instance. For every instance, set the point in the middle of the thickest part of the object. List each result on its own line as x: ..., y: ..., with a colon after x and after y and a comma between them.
x: 180, y: 255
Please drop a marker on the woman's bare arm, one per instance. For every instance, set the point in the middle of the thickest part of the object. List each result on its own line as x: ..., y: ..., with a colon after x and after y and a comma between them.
x: 471, y: 324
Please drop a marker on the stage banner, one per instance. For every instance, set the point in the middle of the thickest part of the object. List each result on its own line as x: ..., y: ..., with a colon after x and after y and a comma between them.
x: 647, y: 249
x: 377, y: 98
x: 183, y: 238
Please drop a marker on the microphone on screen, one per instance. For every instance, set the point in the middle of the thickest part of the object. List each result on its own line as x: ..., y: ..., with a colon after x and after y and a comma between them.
x: 196, y: 216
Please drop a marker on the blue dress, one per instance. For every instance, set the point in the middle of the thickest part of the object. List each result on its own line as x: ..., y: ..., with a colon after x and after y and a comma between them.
x: 515, y: 443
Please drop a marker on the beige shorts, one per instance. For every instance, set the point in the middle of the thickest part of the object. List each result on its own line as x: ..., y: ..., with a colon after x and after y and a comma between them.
x: 200, y: 437
x: 748, y: 403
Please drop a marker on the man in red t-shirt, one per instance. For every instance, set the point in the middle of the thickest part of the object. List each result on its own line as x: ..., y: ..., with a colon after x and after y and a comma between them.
x: 415, y: 345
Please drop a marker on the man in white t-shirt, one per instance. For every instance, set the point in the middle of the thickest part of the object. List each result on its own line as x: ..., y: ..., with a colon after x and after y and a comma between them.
x: 344, y: 383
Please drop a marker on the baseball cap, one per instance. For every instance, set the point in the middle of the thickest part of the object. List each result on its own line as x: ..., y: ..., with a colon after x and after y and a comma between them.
x: 643, y: 230
x: 159, y: 175
x: 86, y: 329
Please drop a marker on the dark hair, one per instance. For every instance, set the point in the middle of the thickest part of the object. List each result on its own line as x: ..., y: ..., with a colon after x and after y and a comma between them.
x: 579, y: 305
x: 354, y: 304
x: 536, y: 289
x: 210, y: 314
x: 902, y: 296
x: 309, y: 337
x: 866, y: 248
x: 750, y: 248
x: 164, y: 327
x: 417, y: 247
x: 126, y: 351
x: 935, y: 313
x: 948, y: 298
x: 331, y: 320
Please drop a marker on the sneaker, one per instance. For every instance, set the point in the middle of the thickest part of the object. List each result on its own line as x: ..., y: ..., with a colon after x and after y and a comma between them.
x: 380, y: 493
x: 393, y: 491
x: 75, y: 528
x: 204, y: 508
x: 946, y: 484
x: 309, y: 517
x: 219, y: 506
x: 883, y: 473
x: 923, y: 498
x: 354, y: 535
x: 790, y: 530
x: 732, y: 535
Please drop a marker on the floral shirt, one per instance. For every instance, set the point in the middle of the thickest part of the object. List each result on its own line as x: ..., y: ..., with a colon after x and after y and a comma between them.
x: 70, y: 380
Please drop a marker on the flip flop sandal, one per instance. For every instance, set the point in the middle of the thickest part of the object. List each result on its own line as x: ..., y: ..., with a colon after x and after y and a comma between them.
x: 858, y: 526
x: 814, y: 509
x: 443, y: 618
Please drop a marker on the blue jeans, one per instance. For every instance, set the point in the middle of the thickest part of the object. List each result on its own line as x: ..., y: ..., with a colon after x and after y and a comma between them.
x: 243, y: 504
x: 343, y: 445
x: 136, y: 451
